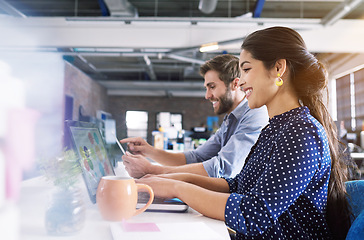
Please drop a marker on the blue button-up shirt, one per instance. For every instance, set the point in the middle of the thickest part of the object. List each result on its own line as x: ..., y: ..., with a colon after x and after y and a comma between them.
x: 224, y: 153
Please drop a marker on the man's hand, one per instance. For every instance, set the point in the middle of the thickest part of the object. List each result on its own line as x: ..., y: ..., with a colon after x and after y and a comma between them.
x: 138, y: 145
x: 136, y: 165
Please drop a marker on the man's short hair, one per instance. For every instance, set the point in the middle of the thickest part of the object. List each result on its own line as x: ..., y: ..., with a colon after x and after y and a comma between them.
x: 226, y: 65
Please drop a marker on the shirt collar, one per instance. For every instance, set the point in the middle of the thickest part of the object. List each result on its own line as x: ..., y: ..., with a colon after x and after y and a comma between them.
x: 287, y: 115
x: 239, y: 111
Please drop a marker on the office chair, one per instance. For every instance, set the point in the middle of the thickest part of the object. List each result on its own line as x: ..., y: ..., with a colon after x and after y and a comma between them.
x: 355, y: 191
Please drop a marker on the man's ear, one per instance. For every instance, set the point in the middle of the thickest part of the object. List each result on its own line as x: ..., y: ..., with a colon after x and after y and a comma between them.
x: 235, y: 84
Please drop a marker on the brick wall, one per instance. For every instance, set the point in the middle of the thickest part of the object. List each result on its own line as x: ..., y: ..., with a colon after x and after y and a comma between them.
x: 85, y: 92
x: 92, y: 97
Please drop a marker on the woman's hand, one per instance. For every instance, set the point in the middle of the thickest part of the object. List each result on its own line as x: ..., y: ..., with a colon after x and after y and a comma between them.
x: 162, y: 186
x: 207, y: 202
x: 184, y: 177
x: 214, y: 184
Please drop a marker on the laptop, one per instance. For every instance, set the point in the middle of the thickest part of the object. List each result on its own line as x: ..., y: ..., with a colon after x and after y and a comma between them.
x: 89, y: 146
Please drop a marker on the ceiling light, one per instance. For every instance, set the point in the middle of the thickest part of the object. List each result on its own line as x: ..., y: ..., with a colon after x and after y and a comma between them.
x: 209, y: 47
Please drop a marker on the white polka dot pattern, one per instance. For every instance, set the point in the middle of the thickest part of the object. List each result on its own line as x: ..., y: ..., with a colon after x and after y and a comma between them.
x: 281, y: 192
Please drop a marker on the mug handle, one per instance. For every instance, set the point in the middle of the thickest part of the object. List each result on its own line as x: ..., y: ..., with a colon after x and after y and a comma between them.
x: 151, y: 197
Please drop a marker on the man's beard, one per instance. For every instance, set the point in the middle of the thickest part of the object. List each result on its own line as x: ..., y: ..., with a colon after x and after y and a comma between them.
x: 225, y: 103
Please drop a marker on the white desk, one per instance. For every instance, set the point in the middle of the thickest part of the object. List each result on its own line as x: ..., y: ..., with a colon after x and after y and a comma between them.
x: 32, y: 206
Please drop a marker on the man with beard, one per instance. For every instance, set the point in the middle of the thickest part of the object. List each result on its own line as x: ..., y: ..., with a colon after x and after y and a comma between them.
x: 224, y: 153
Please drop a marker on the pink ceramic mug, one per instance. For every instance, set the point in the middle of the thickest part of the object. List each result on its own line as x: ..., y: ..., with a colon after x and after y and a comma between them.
x: 117, y: 197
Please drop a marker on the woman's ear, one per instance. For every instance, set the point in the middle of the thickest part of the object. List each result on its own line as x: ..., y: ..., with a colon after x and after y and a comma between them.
x: 280, y: 66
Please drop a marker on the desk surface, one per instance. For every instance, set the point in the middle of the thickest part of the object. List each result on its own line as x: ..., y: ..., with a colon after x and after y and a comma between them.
x: 32, y: 206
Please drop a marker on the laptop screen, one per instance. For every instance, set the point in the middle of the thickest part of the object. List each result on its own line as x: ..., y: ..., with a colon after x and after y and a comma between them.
x: 90, y: 148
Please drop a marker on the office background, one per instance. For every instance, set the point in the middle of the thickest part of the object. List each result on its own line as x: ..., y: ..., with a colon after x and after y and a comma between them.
x: 144, y: 55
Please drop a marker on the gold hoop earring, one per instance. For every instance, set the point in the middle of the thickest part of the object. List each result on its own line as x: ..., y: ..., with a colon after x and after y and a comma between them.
x: 279, y: 81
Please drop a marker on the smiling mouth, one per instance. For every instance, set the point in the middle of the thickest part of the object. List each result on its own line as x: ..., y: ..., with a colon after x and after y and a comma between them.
x: 248, y: 92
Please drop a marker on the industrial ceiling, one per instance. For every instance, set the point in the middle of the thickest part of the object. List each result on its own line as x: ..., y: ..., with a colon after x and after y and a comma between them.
x: 152, y: 47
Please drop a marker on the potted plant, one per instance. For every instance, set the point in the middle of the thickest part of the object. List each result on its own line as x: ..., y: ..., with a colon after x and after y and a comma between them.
x: 65, y: 212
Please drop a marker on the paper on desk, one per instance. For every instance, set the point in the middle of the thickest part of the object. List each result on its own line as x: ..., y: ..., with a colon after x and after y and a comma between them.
x: 168, y: 231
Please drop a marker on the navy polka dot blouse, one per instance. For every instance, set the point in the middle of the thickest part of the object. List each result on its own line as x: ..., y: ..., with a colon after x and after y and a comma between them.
x: 281, y: 191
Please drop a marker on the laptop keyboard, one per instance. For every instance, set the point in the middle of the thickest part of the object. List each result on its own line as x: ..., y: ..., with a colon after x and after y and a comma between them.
x: 143, y: 197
